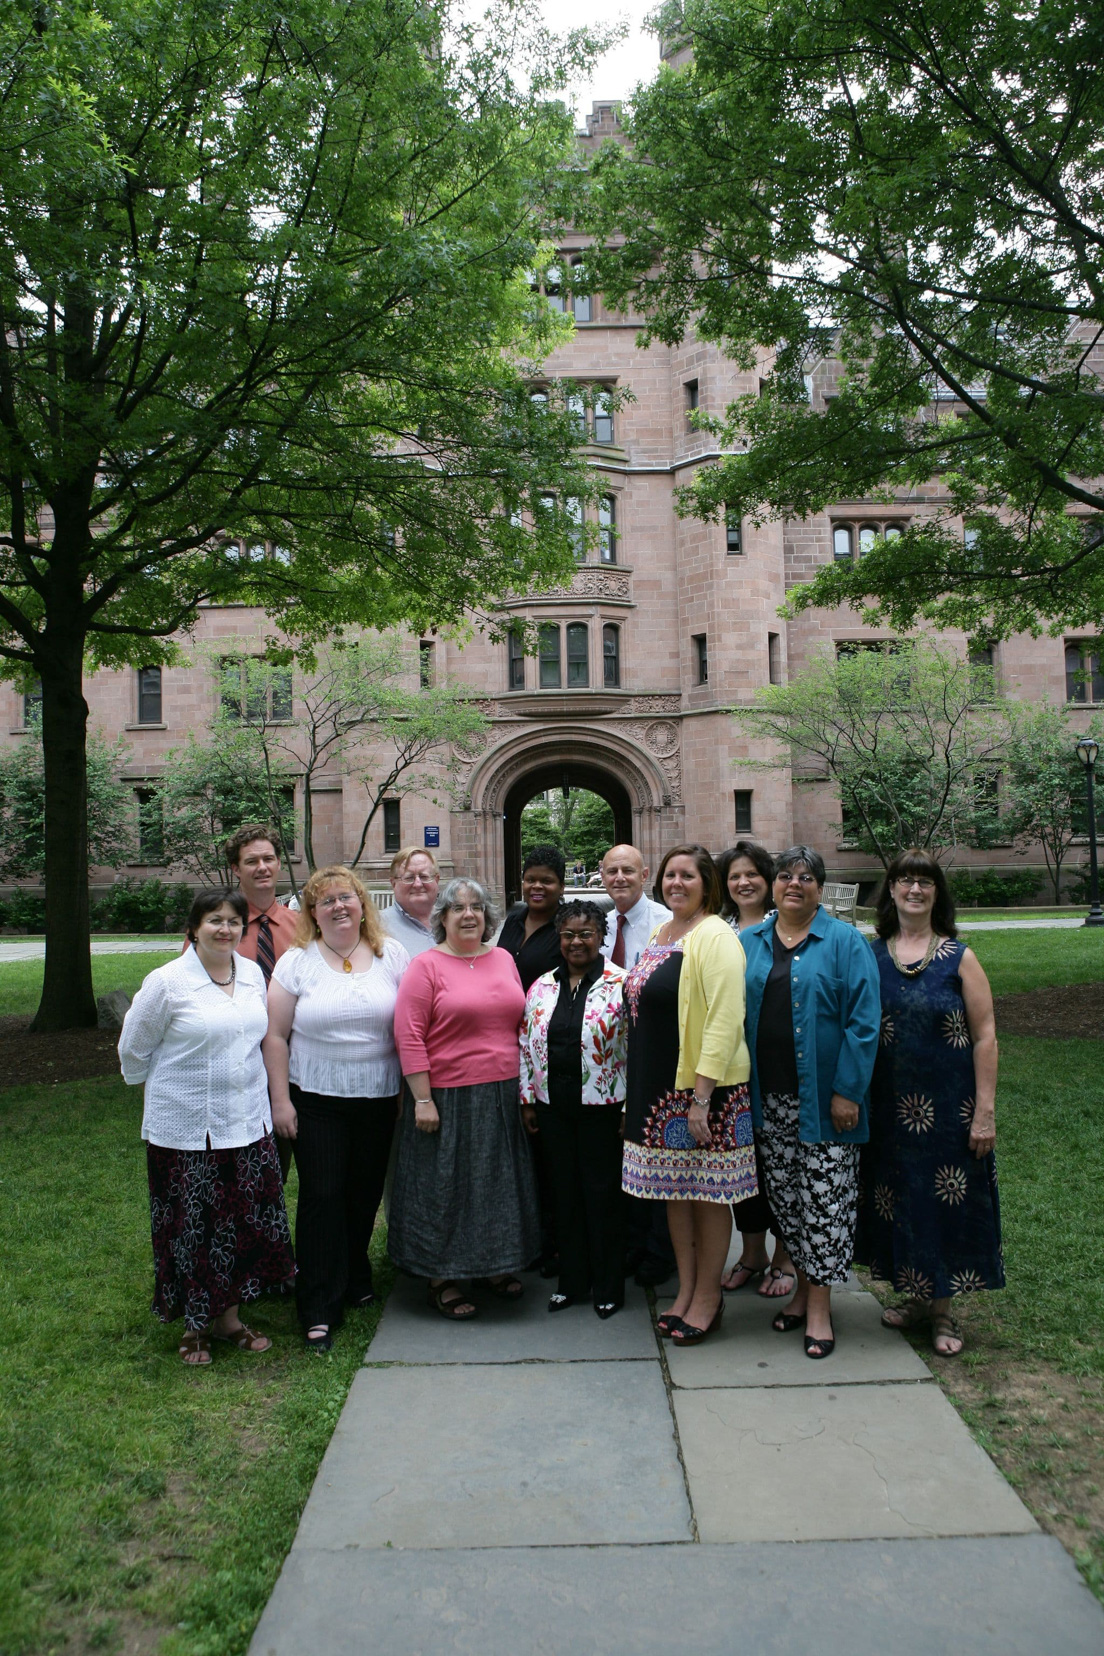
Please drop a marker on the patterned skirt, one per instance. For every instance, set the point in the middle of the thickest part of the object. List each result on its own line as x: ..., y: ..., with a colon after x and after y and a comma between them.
x: 663, y: 1164
x: 220, y: 1229
x: 813, y: 1191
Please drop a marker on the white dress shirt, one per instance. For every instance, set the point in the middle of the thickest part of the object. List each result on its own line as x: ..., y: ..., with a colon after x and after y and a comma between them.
x: 198, y: 1052
x: 405, y: 929
x: 640, y: 922
x: 343, y: 1031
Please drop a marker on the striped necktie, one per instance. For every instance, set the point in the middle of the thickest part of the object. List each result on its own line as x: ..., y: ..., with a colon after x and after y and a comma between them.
x: 266, y: 954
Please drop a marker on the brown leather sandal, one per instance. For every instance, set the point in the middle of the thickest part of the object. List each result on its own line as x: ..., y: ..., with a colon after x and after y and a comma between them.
x: 243, y: 1339
x: 456, y: 1308
x: 195, y: 1348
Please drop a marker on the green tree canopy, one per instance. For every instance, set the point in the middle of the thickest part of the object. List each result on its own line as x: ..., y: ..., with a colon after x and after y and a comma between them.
x: 914, y: 188
x: 264, y: 335
x: 911, y: 738
x: 111, y: 818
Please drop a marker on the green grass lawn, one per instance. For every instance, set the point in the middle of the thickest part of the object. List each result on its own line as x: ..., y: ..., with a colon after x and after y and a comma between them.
x: 135, y: 1494
x: 21, y: 980
x: 1021, y: 960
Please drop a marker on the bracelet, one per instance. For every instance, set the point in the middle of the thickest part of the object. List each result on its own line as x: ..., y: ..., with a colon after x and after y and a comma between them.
x: 423, y: 1101
x: 703, y: 1103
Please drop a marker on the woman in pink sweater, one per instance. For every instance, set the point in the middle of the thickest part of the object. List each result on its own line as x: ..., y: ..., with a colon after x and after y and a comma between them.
x: 464, y: 1202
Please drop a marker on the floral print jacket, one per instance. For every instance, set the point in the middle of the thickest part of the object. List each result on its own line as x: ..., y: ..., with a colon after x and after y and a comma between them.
x: 603, y: 1045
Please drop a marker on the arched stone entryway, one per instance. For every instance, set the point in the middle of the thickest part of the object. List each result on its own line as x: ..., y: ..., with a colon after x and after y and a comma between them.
x: 487, y: 836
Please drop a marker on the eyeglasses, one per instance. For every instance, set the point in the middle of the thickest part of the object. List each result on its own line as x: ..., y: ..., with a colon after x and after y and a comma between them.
x: 798, y: 879
x: 586, y: 936
x: 338, y: 899
x: 907, y: 882
x: 466, y: 908
x: 417, y: 879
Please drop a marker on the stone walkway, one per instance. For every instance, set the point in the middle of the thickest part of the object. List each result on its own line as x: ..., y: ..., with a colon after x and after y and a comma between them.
x: 538, y: 1485
x: 35, y: 949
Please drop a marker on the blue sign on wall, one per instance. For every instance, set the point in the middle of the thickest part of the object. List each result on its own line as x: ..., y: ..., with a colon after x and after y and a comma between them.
x: 433, y: 838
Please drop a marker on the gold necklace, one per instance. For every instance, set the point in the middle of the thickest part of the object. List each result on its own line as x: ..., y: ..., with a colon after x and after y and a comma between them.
x: 469, y: 960
x: 917, y: 966
x: 346, y: 960
x: 689, y: 926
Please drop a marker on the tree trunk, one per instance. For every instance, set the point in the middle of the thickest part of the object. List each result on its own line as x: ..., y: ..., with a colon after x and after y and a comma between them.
x: 68, y: 1001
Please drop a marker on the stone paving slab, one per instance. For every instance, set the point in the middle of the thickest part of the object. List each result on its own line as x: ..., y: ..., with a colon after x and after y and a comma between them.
x: 827, y: 1463
x: 514, y: 1455
x: 410, y: 1332
x: 1015, y: 1596
x: 746, y: 1351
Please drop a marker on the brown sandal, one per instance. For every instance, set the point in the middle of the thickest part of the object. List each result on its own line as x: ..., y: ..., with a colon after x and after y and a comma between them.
x: 243, y: 1339
x: 195, y: 1348
x: 944, y: 1327
x: 913, y: 1314
x: 450, y: 1308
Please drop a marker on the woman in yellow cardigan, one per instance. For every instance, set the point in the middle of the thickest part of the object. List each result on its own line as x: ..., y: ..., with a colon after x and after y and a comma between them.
x: 688, y: 1131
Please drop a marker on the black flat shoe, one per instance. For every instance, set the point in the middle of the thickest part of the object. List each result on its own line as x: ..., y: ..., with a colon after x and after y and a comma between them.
x: 560, y: 1302
x: 787, y: 1321
x: 687, y: 1335
x: 824, y: 1348
x: 320, y: 1342
x: 606, y: 1309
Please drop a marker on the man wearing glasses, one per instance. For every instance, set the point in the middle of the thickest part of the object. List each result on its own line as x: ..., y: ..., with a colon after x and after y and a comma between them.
x: 414, y: 879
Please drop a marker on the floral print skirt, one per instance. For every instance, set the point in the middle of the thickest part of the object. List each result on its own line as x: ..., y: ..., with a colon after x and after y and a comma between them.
x: 220, y: 1229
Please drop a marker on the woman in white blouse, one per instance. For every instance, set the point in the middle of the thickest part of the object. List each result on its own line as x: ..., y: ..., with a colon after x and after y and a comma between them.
x: 333, y: 1075
x: 193, y: 1039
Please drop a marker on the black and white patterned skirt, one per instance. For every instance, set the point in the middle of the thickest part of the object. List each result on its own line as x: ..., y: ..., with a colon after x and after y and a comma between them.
x: 813, y: 1191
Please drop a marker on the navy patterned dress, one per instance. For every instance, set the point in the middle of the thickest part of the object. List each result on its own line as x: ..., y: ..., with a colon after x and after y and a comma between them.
x: 929, y: 1218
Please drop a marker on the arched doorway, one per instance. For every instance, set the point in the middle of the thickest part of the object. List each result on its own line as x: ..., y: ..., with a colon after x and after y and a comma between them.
x: 559, y: 774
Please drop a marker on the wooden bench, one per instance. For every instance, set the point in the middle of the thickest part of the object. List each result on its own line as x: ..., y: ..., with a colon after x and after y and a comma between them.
x: 840, y: 900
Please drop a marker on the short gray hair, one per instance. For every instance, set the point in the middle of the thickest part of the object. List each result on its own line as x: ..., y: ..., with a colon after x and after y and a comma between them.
x: 801, y: 856
x: 447, y: 896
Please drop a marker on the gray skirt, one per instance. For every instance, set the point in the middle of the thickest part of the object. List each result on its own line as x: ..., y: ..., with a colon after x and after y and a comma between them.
x: 464, y: 1201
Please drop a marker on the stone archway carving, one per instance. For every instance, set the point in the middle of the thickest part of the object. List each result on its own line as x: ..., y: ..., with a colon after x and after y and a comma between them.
x: 644, y: 776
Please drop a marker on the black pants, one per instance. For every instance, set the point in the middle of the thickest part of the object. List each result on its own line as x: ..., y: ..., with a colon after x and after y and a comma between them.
x: 754, y: 1212
x: 341, y: 1154
x: 582, y: 1151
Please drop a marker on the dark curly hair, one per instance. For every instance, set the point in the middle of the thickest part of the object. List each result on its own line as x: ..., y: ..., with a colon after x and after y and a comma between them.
x: 764, y: 867
x: 921, y: 866
x: 546, y: 856
x: 580, y: 909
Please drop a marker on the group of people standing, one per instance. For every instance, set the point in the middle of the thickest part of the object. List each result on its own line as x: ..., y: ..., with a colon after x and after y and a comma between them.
x: 567, y: 1087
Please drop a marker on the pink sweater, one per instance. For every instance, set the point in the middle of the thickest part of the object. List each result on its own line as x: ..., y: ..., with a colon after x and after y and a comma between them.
x: 460, y: 1019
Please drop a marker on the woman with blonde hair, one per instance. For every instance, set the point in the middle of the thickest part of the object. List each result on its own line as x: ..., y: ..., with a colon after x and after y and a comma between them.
x: 333, y: 1076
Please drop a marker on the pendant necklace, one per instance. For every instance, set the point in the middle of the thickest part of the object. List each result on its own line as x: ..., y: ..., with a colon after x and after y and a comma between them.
x: 346, y: 960
x: 456, y: 955
x: 917, y: 966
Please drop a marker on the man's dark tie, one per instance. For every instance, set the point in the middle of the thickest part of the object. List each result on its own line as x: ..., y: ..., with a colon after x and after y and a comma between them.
x: 266, y: 954
x: 617, y: 958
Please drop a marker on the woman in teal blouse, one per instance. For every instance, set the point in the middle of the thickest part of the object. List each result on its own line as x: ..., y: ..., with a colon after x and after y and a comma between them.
x: 813, y: 1014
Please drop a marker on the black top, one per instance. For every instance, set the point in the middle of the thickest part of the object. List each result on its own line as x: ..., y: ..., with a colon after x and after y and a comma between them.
x: 775, y: 1055
x: 535, y: 955
x: 565, y: 1036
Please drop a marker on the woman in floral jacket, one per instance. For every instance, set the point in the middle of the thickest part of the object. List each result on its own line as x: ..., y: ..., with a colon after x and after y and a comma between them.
x: 572, y: 1094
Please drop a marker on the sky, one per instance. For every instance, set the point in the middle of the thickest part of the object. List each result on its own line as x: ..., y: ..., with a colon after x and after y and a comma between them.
x: 615, y: 75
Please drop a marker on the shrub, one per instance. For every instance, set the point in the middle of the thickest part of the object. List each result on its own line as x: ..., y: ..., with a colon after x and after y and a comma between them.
x: 991, y: 887
x: 22, y: 911
x: 146, y: 906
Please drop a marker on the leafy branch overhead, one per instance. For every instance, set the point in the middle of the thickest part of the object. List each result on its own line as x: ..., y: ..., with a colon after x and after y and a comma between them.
x: 892, y: 210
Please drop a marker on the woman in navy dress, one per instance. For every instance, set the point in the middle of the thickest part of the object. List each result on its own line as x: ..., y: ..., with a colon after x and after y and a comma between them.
x: 930, y: 1216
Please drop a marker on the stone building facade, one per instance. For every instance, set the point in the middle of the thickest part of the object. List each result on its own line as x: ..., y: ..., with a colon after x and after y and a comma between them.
x: 667, y: 624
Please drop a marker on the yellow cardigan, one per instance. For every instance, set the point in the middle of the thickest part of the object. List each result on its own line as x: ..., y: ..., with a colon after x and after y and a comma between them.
x: 711, y: 1006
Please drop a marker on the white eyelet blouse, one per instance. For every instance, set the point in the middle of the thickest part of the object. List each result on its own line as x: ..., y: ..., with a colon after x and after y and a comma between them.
x: 343, y: 1032
x: 198, y: 1052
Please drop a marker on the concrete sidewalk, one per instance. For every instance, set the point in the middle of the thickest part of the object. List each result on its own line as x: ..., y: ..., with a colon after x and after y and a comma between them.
x: 528, y: 1483
x: 35, y: 949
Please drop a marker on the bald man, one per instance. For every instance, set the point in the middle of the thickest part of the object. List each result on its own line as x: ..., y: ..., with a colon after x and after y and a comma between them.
x: 634, y: 917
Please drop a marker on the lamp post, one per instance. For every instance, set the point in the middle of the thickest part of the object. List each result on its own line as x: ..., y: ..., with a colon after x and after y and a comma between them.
x: 1087, y: 751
